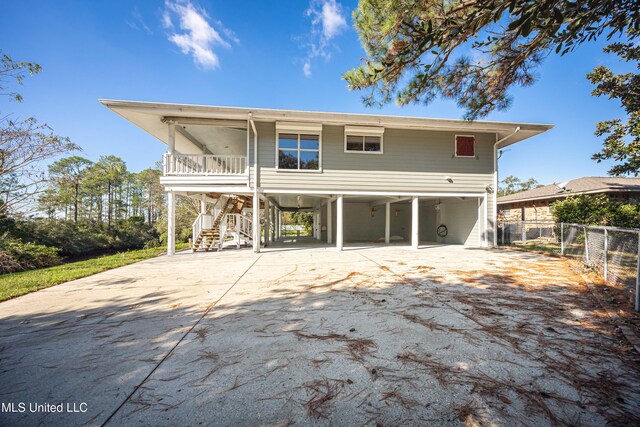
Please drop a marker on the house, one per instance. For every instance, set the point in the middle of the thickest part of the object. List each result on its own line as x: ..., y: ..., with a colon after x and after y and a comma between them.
x: 365, y: 177
x: 533, y: 205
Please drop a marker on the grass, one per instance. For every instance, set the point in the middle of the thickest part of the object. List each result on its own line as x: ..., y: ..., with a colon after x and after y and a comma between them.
x: 15, y: 284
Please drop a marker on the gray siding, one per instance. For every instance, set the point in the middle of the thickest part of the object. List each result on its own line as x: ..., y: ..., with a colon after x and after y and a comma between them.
x: 413, y: 161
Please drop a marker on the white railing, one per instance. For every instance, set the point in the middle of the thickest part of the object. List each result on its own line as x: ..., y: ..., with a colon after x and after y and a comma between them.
x: 202, y: 222
x: 239, y: 223
x: 203, y: 164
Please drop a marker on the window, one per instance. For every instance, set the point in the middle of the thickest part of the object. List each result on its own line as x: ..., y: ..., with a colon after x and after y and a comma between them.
x: 363, y: 139
x: 465, y: 146
x: 298, y: 151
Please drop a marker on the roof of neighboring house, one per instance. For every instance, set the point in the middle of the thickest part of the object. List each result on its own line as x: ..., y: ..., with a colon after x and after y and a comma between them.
x: 586, y: 185
x: 150, y: 116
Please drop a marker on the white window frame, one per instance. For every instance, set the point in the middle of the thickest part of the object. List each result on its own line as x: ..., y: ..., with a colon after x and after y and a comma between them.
x: 455, y: 146
x: 299, y: 129
x: 364, y: 131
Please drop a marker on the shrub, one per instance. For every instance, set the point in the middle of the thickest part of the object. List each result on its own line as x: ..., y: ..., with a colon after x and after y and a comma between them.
x: 17, y: 256
x: 596, y: 210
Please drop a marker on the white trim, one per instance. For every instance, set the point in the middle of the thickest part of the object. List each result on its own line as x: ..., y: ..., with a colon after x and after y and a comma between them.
x: 208, y: 189
x: 415, y: 223
x: 364, y: 130
x: 298, y: 127
x: 367, y: 193
x: 340, y: 223
x: 363, y: 144
x: 485, y: 221
x: 204, y: 179
x: 455, y: 146
x: 329, y: 206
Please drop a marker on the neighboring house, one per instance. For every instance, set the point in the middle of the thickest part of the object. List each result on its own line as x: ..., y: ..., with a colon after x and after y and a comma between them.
x: 365, y: 177
x: 533, y: 205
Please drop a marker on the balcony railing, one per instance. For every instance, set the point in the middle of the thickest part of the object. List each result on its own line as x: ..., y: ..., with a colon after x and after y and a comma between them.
x: 203, y: 164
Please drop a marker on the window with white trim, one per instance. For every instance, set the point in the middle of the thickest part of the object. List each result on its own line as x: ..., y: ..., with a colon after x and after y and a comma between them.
x: 298, y: 151
x: 363, y: 139
x: 465, y: 146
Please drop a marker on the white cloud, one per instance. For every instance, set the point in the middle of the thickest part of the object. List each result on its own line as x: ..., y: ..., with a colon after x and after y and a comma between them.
x: 327, y: 22
x: 332, y: 20
x: 197, y: 37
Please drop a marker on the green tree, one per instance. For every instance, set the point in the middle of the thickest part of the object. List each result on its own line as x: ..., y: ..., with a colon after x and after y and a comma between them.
x: 153, y: 193
x: 622, y: 139
x: 596, y: 210
x: 472, y: 51
x: 303, y: 218
x: 67, y: 175
x: 24, y: 144
x: 512, y: 184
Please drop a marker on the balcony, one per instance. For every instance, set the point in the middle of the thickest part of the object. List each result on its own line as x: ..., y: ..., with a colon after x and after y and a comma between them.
x: 204, y: 168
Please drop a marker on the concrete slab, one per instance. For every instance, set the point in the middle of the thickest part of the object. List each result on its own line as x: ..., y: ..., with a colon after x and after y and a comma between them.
x: 372, y: 335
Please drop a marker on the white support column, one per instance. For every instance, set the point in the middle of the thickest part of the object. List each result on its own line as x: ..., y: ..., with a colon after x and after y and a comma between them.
x: 329, y: 222
x: 414, y: 222
x: 171, y: 141
x: 340, y: 223
x: 267, y: 221
x: 203, y: 204
x: 171, y: 223
x: 256, y: 223
x: 486, y: 221
x: 387, y: 223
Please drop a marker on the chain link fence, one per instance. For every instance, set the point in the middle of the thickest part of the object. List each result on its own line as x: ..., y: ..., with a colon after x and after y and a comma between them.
x: 613, y: 252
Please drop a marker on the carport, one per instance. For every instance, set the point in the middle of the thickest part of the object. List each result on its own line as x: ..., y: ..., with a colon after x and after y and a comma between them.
x: 411, y: 219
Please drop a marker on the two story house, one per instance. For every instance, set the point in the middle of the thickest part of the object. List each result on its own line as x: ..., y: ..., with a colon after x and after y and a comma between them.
x: 366, y: 178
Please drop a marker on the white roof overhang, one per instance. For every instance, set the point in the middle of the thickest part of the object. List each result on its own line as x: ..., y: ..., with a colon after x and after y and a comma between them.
x: 151, y: 116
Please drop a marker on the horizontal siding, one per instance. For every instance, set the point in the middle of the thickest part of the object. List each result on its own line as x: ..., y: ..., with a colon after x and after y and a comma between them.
x: 413, y: 160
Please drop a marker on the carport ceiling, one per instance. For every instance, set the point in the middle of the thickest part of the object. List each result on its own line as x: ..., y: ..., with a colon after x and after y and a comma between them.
x: 309, y: 201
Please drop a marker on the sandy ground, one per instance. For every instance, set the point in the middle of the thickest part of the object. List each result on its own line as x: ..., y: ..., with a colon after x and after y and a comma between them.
x: 369, y: 336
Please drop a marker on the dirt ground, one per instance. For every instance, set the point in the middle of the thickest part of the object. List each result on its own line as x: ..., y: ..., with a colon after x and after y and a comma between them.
x: 370, y: 336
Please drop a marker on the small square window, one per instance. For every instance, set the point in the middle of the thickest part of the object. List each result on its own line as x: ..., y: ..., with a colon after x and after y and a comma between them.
x: 465, y: 146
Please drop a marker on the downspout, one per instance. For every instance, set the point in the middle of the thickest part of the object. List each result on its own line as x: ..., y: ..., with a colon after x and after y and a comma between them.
x: 495, y: 183
x: 256, y: 209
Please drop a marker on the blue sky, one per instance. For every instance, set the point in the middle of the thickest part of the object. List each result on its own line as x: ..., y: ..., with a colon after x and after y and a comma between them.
x: 273, y: 54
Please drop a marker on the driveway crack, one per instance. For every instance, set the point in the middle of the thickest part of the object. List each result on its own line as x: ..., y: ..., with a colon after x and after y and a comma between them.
x: 166, y: 356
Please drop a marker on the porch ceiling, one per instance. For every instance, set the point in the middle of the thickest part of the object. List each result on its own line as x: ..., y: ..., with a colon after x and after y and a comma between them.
x: 219, y: 140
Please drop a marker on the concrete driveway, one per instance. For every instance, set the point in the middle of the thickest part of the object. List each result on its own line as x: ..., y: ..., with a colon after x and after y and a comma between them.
x: 372, y: 336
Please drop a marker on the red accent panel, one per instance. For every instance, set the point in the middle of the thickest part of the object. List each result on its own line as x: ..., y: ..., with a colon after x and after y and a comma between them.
x: 465, y: 146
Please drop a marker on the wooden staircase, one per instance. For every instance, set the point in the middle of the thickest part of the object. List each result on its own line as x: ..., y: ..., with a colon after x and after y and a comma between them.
x: 208, y: 237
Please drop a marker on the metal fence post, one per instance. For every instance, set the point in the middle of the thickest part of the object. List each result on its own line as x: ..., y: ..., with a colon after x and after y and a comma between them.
x: 586, y: 243
x: 606, y: 257
x: 638, y: 277
x: 562, y: 238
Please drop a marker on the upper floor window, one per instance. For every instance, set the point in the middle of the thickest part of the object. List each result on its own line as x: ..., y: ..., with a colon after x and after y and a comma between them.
x: 298, y: 151
x: 363, y: 139
x: 465, y: 146
x: 299, y: 146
